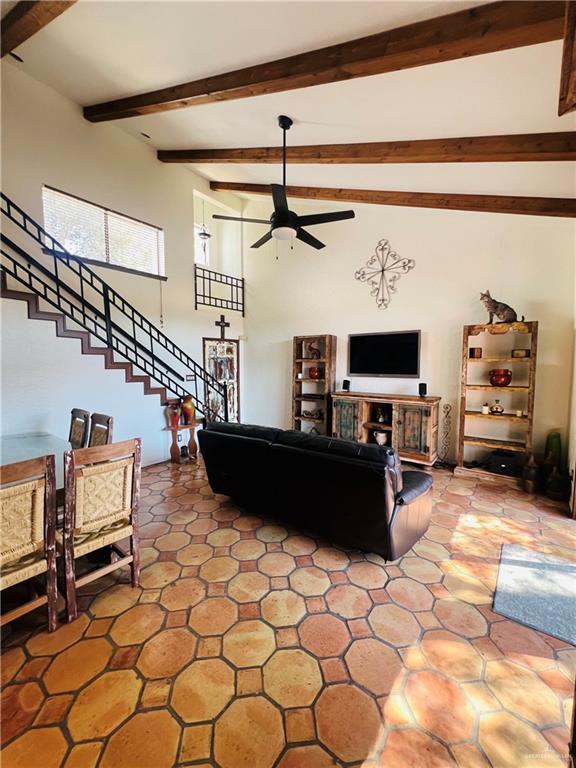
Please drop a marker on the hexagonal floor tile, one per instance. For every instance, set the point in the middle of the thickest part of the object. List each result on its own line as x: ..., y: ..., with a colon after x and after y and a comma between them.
x: 185, y: 593
x: 331, y: 559
x: 521, y: 644
x: 271, y: 533
x: 523, y: 692
x: 410, y: 747
x: 276, y: 564
x: 11, y: 661
x: 324, y: 635
x: 158, y: 575
x: 348, y: 722
x: 249, y: 734
x: 249, y: 643
x: 367, y: 575
x: 248, y: 587
x: 148, y: 738
x: 299, y: 545
x: 167, y: 653
x: 219, y: 569
x: 40, y: 748
x: 202, y: 690
x: 461, y: 618
x: 194, y: 554
x: 509, y: 743
x: 48, y: 643
x: 373, y: 665
x: 421, y: 570
x: 223, y: 537
x: 172, y: 541
x: 452, y: 655
x: 248, y: 549
x: 311, y: 757
x: 348, y: 601
x: 115, y: 601
x: 440, y: 706
x: 19, y: 705
x: 137, y: 625
x: 309, y: 581
x: 292, y: 678
x: 410, y: 594
x: 468, y: 589
x: 395, y: 625
x: 283, y: 608
x: 75, y: 666
x: 213, y: 616
x: 104, y: 704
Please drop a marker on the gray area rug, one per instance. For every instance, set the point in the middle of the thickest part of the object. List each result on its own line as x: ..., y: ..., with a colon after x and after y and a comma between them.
x: 537, y: 590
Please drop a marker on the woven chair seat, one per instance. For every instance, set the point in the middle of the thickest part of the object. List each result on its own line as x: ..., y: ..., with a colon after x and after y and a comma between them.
x: 91, y: 540
x: 23, y: 568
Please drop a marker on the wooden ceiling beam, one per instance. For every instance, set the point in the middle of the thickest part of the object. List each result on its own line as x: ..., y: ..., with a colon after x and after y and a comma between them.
x: 480, y: 149
x: 483, y: 29
x: 528, y: 206
x: 567, y: 102
x: 27, y: 18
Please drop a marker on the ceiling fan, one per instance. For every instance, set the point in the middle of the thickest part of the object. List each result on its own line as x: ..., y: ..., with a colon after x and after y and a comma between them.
x: 285, y: 224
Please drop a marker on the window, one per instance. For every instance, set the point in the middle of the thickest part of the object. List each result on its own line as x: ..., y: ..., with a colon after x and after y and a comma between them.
x: 201, y: 245
x: 103, y: 236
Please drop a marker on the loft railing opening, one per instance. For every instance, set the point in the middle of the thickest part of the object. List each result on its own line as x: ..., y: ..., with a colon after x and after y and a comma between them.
x: 69, y: 285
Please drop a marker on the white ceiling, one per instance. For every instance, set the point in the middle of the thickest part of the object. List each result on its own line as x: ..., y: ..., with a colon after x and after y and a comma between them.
x: 103, y: 50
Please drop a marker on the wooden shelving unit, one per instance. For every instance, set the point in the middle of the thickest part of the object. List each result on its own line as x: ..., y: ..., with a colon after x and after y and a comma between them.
x: 520, y: 394
x: 311, y: 394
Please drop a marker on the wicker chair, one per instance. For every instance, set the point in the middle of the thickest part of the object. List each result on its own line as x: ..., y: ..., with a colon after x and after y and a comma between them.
x: 79, y: 425
x: 100, y: 430
x: 100, y: 509
x: 28, y: 528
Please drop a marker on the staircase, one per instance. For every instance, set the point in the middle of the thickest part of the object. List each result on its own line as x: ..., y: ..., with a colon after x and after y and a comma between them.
x: 90, y: 310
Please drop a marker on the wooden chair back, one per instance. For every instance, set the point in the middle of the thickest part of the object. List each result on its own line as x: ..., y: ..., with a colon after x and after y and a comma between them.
x: 102, y: 485
x: 79, y: 427
x: 27, y: 507
x: 100, y: 430
x: 28, y: 528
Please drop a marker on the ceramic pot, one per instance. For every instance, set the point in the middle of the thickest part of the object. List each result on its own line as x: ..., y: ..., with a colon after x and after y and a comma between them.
x: 314, y: 372
x: 173, y: 416
x: 381, y: 437
x: 188, y: 410
x: 500, y: 377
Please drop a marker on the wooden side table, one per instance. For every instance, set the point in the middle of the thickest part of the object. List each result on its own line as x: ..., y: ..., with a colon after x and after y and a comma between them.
x: 175, y: 456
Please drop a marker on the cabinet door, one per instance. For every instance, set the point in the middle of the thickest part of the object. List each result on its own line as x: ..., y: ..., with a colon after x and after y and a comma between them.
x: 412, y: 431
x: 345, y: 420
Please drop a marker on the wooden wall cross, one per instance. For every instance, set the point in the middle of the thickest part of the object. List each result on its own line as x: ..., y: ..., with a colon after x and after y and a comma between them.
x: 222, y: 324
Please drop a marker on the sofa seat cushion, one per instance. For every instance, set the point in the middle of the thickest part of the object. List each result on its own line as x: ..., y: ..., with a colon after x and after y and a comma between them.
x: 331, y: 445
x: 270, y: 434
x: 414, y: 485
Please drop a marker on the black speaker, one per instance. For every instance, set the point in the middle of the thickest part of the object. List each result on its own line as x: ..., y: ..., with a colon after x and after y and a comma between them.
x: 346, y: 385
x: 422, y: 389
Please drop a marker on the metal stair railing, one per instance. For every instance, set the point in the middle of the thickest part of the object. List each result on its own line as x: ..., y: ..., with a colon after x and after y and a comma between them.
x: 93, y: 304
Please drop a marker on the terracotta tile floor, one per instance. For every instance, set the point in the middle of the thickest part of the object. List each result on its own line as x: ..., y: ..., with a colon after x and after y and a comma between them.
x: 252, y: 644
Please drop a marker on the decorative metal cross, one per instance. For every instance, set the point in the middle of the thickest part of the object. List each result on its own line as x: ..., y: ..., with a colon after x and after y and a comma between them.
x: 222, y: 324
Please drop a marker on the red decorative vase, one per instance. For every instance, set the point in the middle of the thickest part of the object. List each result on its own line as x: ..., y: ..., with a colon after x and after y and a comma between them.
x: 188, y: 410
x: 500, y: 377
x: 315, y: 372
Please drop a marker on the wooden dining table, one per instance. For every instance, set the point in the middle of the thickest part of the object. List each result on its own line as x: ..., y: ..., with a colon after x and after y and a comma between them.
x: 30, y: 445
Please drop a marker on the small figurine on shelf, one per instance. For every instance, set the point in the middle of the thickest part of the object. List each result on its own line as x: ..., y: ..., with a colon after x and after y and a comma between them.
x: 188, y: 410
x: 380, y: 416
x: 485, y: 409
x: 173, y: 414
x: 313, y: 350
x: 496, y: 409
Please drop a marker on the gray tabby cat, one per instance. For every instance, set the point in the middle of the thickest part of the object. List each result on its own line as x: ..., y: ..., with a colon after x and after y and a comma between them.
x: 503, y: 312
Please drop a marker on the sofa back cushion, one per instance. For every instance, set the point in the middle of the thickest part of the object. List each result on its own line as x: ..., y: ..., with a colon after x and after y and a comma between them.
x: 335, y: 447
x: 269, y: 434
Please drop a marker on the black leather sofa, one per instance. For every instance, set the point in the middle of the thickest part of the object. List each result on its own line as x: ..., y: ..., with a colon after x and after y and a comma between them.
x: 351, y: 493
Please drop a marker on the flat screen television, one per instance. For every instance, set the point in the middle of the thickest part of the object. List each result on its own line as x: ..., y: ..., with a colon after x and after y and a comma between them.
x: 384, y: 354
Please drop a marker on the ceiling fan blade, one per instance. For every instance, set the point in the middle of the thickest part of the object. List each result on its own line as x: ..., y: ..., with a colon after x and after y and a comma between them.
x: 280, y: 201
x: 309, y: 239
x: 263, y: 240
x: 233, y: 218
x: 324, y: 218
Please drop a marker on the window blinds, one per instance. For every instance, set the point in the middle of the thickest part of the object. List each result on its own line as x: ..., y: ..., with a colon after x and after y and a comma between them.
x: 96, y: 233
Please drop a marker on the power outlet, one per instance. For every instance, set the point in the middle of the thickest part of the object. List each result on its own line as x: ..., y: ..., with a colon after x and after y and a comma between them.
x: 190, y: 377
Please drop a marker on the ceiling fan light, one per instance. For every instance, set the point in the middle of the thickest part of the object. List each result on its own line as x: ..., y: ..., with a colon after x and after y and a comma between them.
x: 283, y: 233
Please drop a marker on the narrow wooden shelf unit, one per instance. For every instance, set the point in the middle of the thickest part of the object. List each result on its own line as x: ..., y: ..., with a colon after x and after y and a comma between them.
x: 313, y: 352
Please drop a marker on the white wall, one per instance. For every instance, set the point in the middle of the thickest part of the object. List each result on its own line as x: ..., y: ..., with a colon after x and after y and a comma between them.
x: 45, y: 140
x: 525, y: 261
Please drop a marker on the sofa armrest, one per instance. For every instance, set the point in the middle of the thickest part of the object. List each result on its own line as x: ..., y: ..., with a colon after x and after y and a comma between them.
x: 414, y: 484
